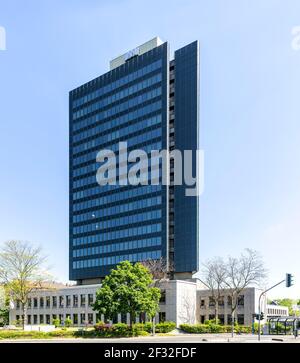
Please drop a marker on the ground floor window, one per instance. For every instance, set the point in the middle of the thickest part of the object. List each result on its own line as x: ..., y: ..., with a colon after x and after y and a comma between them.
x: 35, y: 319
x: 202, y: 319
x: 229, y: 319
x: 48, y: 319
x: 124, y: 318
x: 142, y: 318
x: 221, y: 319
x: 41, y: 319
x: 82, y: 318
x: 98, y: 317
x: 90, y: 318
x: 29, y: 319
x: 162, y: 317
x: 115, y: 319
x: 211, y: 316
x: 240, y: 319
x: 75, y: 319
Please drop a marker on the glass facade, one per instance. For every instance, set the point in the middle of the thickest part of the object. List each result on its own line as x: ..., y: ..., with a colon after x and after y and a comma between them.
x: 112, y: 223
x: 109, y: 224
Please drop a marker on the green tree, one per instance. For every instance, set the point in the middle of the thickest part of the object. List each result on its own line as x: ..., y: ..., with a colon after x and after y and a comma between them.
x: 286, y: 302
x: 289, y: 303
x: 127, y: 289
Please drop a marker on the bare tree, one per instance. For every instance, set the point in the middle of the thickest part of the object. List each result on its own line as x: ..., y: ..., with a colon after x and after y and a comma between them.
x: 21, y: 271
x: 213, y: 277
x: 188, y: 309
x: 160, y: 269
x: 248, y: 270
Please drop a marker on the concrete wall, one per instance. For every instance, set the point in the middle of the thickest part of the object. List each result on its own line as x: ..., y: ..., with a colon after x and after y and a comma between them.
x: 249, y: 308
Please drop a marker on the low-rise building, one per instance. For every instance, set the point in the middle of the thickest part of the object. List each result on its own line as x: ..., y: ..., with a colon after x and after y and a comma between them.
x: 274, y: 310
x: 178, y: 304
x: 247, y: 306
x: 182, y: 301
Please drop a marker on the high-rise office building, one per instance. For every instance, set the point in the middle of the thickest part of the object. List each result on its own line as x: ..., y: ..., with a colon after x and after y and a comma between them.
x: 151, y: 103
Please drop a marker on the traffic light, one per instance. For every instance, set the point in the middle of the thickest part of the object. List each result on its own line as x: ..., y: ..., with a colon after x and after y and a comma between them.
x: 289, y: 280
x: 260, y: 316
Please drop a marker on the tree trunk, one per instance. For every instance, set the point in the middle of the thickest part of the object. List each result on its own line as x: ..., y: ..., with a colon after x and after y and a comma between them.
x: 132, y: 315
x: 232, y: 323
x: 216, y: 312
x: 153, y: 325
x: 24, y: 320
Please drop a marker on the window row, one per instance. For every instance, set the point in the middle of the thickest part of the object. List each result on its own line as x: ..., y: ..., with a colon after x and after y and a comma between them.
x: 76, y: 319
x: 144, y: 175
x: 124, y: 172
x: 95, y: 119
x: 126, y: 105
x: 101, y: 140
x: 116, y: 247
x: 129, y: 117
x: 118, y: 96
x: 85, y: 318
x: 117, y: 234
x: 93, y: 167
x: 221, y: 301
x: 118, y: 209
x: 130, y: 192
x: 118, y: 222
x: 118, y: 83
x: 113, y: 197
x: 137, y: 141
x: 60, y: 301
x: 106, y: 261
x: 240, y: 320
x: 132, y: 141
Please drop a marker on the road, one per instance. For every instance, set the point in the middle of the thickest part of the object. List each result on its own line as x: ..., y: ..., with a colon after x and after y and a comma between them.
x: 180, y: 338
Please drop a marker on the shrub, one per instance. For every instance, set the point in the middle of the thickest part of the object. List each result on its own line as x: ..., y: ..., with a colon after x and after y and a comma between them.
x: 68, y: 322
x: 214, y: 328
x: 195, y: 329
x: 121, y: 330
x: 164, y: 327
x: 117, y: 330
x: 103, y: 329
x: 61, y: 334
x: 142, y: 326
x: 10, y: 334
x: 56, y: 322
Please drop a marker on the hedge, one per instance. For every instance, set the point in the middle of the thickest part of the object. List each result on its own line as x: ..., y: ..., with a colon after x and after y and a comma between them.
x: 118, y: 330
x: 100, y: 330
x: 214, y: 328
x: 13, y: 334
x: 123, y: 330
x: 165, y: 327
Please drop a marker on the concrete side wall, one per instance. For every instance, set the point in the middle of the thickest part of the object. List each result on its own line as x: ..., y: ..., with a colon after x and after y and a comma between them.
x: 247, y: 310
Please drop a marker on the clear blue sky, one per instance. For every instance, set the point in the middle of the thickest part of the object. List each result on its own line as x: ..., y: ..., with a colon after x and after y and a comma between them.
x: 250, y: 115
